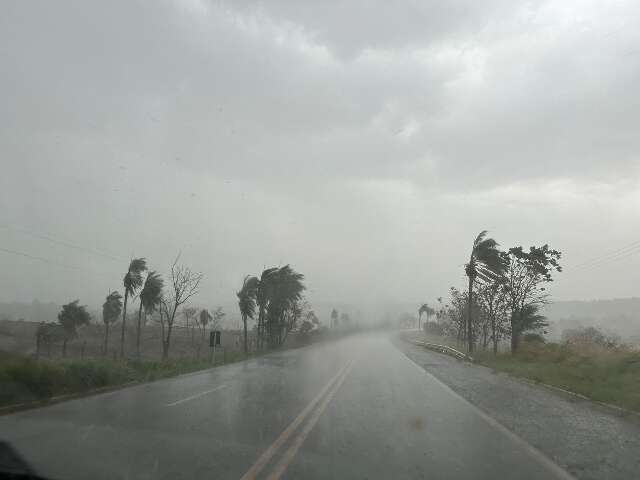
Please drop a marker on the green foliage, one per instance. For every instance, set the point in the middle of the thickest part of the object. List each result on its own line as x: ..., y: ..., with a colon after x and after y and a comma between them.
x: 26, y: 380
x: 528, y: 319
x: 111, y: 308
x: 533, y: 338
x: 247, y: 297
x: 485, y: 261
x: 278, y: 296
x: 72, y: 316
x: 133, y: 278
x: 151, y: 292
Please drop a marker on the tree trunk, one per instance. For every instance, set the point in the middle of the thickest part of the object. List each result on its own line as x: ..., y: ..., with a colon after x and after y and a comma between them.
x: 244, y: 321
x: 494, y: 338
x: 469, y: 320
x: 167, y: 343
x: 485, y: 336
x: 106, y: 339
x: 138, y: 332
x: 515, y: 338
x: 124, y: 321
x: 419, y: 318
x: 64, y: 348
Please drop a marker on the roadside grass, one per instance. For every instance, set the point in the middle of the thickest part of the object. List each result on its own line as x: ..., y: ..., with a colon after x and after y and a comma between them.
x: 609, y: 375
x: 606, y: 375
x: 24, y: 380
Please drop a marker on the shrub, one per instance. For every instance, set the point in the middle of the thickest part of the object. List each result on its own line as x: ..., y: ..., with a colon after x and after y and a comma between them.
x: 433, y: 328
x: 533, y: 338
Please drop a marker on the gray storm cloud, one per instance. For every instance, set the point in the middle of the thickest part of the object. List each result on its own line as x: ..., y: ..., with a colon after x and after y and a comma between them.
x: 364, y: 144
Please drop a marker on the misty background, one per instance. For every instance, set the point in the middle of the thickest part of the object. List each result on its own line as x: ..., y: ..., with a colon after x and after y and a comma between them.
x: 365, y: 144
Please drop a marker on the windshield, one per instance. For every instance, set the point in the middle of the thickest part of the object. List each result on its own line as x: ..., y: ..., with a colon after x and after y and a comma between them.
x: 259, y: 239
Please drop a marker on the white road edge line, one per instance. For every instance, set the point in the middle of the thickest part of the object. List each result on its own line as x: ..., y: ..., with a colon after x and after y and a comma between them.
x: 556, y: 469
x: 220, y: 387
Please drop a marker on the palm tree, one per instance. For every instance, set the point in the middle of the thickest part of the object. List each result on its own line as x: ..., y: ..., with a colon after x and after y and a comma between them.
x: 72, y: 316
x: 247, y: 303
x: 132, y: 282
x: 424, y: 308
x: 263, y: 294
x: 485, y: 263
x: 286, y: 290
x: 111, y: 310
x: 150, y: 297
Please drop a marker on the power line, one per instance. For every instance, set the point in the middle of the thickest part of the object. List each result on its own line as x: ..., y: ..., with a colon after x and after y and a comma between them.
x: 51, y: 262
x: 66, y: 244
x: 615, y: 258
x: 632, y: 247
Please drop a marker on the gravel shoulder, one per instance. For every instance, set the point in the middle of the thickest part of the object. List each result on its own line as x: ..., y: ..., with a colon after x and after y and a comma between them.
x: 581, y: 436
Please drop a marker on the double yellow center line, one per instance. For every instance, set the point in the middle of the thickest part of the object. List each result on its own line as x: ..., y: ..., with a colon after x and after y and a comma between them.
x: 322, y: 398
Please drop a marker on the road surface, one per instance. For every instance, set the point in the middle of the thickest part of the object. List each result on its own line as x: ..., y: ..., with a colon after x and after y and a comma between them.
x: 357, y: 408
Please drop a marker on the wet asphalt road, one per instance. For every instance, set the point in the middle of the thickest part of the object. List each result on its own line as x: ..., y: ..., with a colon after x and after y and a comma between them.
x: 357, y: 408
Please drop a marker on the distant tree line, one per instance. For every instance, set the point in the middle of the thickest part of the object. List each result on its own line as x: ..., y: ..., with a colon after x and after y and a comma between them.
x: 148, y: 287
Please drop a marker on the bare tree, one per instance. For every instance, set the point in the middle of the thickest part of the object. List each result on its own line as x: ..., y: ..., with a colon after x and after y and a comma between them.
x: 184, y: 284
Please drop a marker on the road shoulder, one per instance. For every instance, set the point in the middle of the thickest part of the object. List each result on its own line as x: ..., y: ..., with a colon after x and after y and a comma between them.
x: 589, y: 442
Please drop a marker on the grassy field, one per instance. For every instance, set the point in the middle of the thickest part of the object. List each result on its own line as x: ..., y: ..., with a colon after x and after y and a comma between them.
x: 26, y: 380
x: 606, y: 375
x: 610, y: 376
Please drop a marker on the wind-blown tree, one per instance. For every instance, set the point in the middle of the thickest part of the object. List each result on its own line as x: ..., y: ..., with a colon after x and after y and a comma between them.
x: 263, y: 294
x: 426, y: 310
x: 485, y: 263
x: 525, y: 278
x: 150, y: 297
x: 70, y: 318
x: 492, y: 299
x: 528, y: 320
x: 111, y: 309
x: 132, y: 282
x: 247, y: 303
x: 285, y: 291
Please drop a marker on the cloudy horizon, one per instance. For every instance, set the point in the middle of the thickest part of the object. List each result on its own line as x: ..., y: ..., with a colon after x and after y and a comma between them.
x: 366, y: 144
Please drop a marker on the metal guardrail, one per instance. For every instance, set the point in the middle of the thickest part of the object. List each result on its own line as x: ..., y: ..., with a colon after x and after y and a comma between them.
x: 443, y: 349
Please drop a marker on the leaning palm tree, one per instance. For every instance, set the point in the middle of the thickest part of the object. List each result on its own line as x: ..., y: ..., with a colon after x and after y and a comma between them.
x: 247, y: 303
x: 424, y: 308
x: 485, y: 263
x: 111, y: 309
x: 264, y: 290
x: 132, y: 282
x: 286, y: 292
x: 150, y: 297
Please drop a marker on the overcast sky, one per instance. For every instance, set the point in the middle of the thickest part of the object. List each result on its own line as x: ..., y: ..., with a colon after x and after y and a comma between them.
x: 364, y: 142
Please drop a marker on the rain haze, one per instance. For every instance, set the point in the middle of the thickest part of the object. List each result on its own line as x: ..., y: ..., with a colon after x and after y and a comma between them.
x: 363, y: 143
x: 339, y: 239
